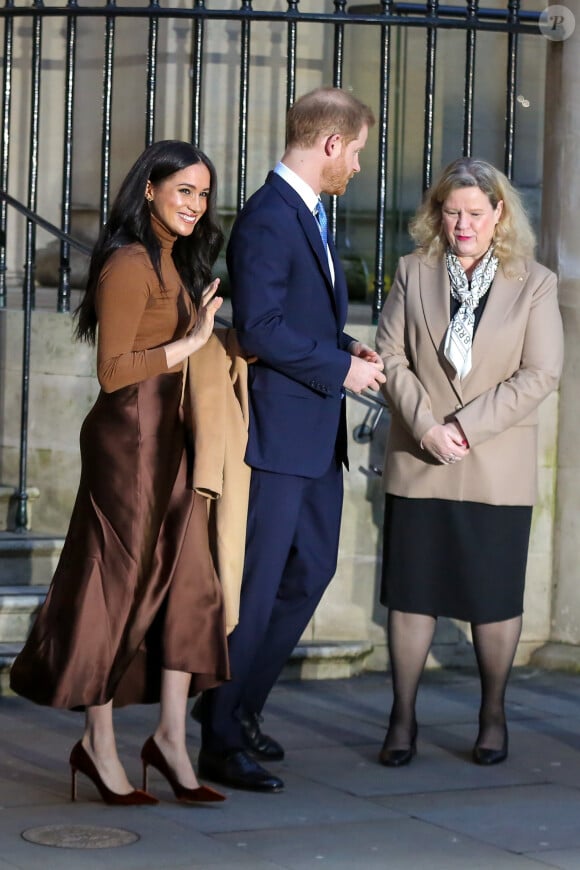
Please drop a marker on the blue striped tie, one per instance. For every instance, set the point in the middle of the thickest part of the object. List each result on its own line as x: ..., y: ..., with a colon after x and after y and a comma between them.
x: 320, y: 215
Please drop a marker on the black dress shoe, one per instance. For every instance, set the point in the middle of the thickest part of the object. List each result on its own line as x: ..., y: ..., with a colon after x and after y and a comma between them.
x: 397, y: 757
x: 238, y: 770
x: 258, y: 743
x: 484, y: 756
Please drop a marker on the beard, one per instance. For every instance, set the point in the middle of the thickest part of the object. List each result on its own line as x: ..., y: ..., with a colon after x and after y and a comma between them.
x: 335, y: 179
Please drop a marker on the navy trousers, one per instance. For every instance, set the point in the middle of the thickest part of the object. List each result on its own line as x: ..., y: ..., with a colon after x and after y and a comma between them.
x: 291, y: 554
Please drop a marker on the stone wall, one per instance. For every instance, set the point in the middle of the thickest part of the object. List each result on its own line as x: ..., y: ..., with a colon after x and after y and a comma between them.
x: 560, y: 251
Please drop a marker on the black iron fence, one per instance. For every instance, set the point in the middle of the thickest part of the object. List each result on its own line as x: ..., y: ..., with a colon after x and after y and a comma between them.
x: 26, y: 68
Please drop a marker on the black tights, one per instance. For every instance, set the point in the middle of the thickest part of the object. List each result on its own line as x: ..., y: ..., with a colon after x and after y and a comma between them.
x: 410, y: 638
x: 495, y: 645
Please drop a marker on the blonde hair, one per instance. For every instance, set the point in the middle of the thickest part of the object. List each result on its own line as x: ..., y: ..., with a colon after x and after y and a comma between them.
x: 326, y: 111
x: 513, y: 238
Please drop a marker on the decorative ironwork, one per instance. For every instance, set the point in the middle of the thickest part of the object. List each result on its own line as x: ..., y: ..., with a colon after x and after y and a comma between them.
x: 389, y: 18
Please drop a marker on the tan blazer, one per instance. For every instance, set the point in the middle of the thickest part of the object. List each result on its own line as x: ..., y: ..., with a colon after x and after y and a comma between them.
x: 516, y: 362
x: 217, y: 413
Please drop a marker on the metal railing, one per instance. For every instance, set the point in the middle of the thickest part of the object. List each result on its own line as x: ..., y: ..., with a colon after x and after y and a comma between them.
x: 21, y: 513
x: 385, y: 17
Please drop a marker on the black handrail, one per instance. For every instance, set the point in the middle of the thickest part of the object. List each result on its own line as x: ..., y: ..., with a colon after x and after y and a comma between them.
x: 403, y: 15
x: 33, y: 220
x: 46, y: 225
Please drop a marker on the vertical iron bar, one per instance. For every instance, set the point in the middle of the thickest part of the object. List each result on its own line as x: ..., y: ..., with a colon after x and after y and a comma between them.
x: 432, y: 11
x: 63, y: 300
x: 511, y: 86
x: 338, y: 64
x: 34, y: 131
x: 338, y: 60
x: 5, y: 144
x: 151, y: 73
x: 472, y: 10
x: 291, y: 61
x: 197, y: 74
x: 244, y: 94
x: 21, y: 519
x: 398, y: 140
x: 385, y: 68
x: 107, y: 112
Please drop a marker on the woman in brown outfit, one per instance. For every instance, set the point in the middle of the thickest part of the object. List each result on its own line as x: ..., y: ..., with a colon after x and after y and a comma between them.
x: 134, y: 612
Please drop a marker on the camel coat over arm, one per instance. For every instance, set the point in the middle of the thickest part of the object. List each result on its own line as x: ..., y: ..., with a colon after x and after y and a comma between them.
x: 217, y: 414
x: 517, y: 357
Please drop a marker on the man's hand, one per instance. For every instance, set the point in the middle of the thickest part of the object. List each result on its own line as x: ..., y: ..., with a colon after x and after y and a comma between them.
x: 364, y: 375
x: 363, y: 351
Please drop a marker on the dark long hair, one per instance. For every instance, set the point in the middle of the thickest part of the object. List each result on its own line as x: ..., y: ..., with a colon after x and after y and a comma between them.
x: 130, y: 221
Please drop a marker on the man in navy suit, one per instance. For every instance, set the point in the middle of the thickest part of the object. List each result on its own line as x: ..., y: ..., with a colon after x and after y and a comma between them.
x: 289, y: 299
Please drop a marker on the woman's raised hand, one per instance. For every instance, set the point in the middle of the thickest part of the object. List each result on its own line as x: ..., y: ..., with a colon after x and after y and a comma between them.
x: 177, y: 351
x: 206, y: 312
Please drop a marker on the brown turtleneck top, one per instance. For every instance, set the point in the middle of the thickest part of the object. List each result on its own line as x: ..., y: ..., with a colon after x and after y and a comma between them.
x: 137, y: 316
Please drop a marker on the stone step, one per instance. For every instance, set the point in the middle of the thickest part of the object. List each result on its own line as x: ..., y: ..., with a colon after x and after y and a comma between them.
x: 309, y: 661
x: 8, y: 505
x: 327, y: 660
x: 8, y: 652
x: 18, y: 606
x: 28, y: 559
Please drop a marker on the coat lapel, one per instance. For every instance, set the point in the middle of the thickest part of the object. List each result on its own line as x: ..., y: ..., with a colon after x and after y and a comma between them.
x: 434, y: 289
x: 308, y: 222
x: 309, y: 226
x: 312, y: 233
x: 435, y: 299
x: 503, y: 295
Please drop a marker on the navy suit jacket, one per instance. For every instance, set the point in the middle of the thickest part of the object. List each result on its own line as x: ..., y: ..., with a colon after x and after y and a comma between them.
x: 288, y: 314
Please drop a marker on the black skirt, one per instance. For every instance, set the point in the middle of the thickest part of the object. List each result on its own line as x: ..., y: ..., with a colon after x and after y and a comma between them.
x: 463, y: 560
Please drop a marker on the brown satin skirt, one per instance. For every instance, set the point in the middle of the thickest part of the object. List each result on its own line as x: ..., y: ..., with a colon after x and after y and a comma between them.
x: 135, y: 589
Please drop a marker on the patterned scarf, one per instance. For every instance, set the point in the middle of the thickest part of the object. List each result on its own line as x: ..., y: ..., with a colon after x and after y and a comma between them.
x: 459, y: 335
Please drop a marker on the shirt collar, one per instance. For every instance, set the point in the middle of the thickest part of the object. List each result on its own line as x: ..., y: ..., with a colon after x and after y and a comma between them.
x: 303, y: 189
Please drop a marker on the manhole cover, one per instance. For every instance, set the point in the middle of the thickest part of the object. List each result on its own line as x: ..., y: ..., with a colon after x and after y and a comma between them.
x: 79, y: 837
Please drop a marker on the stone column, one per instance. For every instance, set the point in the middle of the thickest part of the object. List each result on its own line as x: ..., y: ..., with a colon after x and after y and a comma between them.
x: 560, y: 250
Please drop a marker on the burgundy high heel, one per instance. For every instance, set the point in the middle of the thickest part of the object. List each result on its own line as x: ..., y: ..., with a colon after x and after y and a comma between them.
x: 80, y: 760
x: 152, y: 756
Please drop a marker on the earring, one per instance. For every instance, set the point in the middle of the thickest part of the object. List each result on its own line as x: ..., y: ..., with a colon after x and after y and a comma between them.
x: 149, y: 198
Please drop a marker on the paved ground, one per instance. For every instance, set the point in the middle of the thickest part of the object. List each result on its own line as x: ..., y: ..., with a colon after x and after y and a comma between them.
x: 340, y: 808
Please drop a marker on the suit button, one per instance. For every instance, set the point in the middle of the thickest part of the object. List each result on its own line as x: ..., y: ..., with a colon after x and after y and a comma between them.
x: 458, y: 407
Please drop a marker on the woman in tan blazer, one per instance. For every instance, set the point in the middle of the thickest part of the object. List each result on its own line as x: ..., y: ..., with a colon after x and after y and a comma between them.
x: 471, y: 339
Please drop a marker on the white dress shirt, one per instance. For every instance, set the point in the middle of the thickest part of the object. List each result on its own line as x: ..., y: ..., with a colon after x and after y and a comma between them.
x: 306, y: 193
